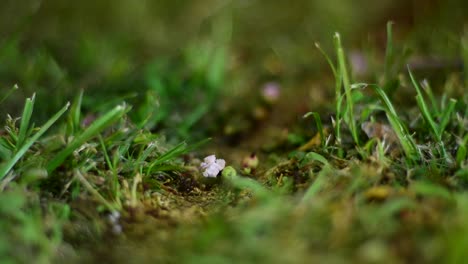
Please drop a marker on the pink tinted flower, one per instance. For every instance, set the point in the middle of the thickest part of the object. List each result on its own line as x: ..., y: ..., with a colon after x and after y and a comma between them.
x: 271, y: 92
x: 358, y: 63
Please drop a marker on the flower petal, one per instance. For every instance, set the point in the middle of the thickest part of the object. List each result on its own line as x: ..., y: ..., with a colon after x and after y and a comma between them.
x: 210, y: 159
x: 221, y: 163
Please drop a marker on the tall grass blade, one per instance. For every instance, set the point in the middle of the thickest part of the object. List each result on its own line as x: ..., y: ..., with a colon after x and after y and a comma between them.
x: 25, y: 120
x: 424, y: 109
x: 338, y: 96
x: 349, y: 107
x: 389, y: 56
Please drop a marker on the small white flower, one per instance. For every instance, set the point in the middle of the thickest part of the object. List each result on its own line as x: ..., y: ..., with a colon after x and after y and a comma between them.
x: 212, y: 166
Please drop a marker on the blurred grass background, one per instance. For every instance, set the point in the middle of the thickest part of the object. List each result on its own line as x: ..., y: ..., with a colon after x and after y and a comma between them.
x: 159, y: 53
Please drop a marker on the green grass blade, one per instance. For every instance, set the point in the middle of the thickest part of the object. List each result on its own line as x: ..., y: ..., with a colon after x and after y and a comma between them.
x: 318, y: 122
x: 106, y: 155
x: 25, y: 120
x: 338, y: 101
x: 424, y: 109
x: 427, y: 88
x: 176, y: 151
x: 5, y: 149
x: 445, y: 116
x: 464, y: 55
x: 434, y: 128
x: 335, y: 73
x: 196, y: 145
x: 172, y: 153
x: 15, y: 87
x: 406, y: 140
x: 347, y: 88
x: 75, y: 113
x: 389, y: 52
x: 29, y: 142
x: 93, y: 130
x: 462, y: 150
x: 315, y: 156
x: 150, y: 148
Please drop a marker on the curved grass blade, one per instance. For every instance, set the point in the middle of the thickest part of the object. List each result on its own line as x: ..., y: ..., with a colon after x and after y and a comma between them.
x: 15, y: 87
x: 424, y: 109
x: 329, y: 61
x: 93, y: 130
x: 347, y: 88
x: 406, y: 140
x: 318, y: 122
x: 317, y: 157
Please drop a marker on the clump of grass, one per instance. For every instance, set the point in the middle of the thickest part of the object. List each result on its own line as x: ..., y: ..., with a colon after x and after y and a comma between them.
x: 69, y: 164
x: 23, y: 139
x: 436, y: 130
x: 93, y: 130
x: 435, y: 119
x: 405, y: 138
x: 345, y: 97
x: 342, y: 72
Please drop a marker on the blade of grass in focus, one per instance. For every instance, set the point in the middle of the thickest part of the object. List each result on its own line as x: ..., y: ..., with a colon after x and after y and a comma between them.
x: 30, y: 141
